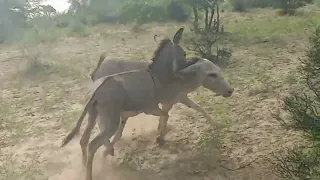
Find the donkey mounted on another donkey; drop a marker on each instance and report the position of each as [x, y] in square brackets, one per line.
[137, 91]
[206, 74]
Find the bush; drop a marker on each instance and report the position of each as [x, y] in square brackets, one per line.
[141, 11]
[304, 106]
[77, 28]
[63, 20]
[244, 5]
[265, 3]
[129, 11]
[239, 5]
[101, 11]
[289, 7]
[204, 35]
[12, 22]
[299, 163]
[177, 12]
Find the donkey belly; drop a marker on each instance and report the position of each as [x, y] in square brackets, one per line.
[140, 90]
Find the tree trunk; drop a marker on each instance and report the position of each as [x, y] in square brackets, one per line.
[211, 16]
[206, 18]
[196, 18]
[218, 18]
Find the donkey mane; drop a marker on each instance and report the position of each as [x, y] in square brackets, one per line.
[156, 53]
[191, 61]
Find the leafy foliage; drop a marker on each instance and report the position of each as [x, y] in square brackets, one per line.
[244, 5]
[299, 163]
[142, 12]
[289, 6]
[304, 106]
[128, 11]
[13, 17]
[303, 109]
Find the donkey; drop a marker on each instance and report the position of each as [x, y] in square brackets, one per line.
[112, 66]
[202, 72]
[135, 91]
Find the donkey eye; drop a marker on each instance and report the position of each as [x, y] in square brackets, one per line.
[214, 75]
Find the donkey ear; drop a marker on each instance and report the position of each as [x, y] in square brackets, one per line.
[177, 37]
[190, 70]
[155, 37]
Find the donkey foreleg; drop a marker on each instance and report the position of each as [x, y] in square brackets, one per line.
[191, 104]
[164, 116]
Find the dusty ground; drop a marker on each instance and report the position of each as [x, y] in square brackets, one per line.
[41, 102]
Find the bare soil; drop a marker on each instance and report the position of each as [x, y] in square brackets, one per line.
[40, 103]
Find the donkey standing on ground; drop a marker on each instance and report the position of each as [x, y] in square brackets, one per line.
[136, 91]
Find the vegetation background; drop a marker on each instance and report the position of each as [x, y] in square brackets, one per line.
[269, 51]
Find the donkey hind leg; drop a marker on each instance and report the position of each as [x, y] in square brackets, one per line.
[110, 147]
[124, 117]
[107, 143]
[87, 132]
[110, 122]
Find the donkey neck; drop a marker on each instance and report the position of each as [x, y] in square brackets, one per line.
[176, 87]
[162, 67]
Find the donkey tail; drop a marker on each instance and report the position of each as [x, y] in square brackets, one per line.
[75, 130]
[102, 57]
[91, 102]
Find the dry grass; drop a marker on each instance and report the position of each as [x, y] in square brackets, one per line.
[43, 92]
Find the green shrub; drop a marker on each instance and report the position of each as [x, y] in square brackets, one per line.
[265, 3]
[177, 12]
[289, 7]
[102, 11]
[239, 5]
[141, 11]
[299, 163]
[244, 5]
[304, 106]
[12, 22]
[78, 28]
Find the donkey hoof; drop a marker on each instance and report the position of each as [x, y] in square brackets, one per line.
[84, 161]
[160, 140]
[108, 151]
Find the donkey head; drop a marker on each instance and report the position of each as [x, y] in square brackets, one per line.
[209, 76]
[168, 58]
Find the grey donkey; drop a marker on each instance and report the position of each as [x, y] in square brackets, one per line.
[135, 91]
[201, 72]
[203, 76]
